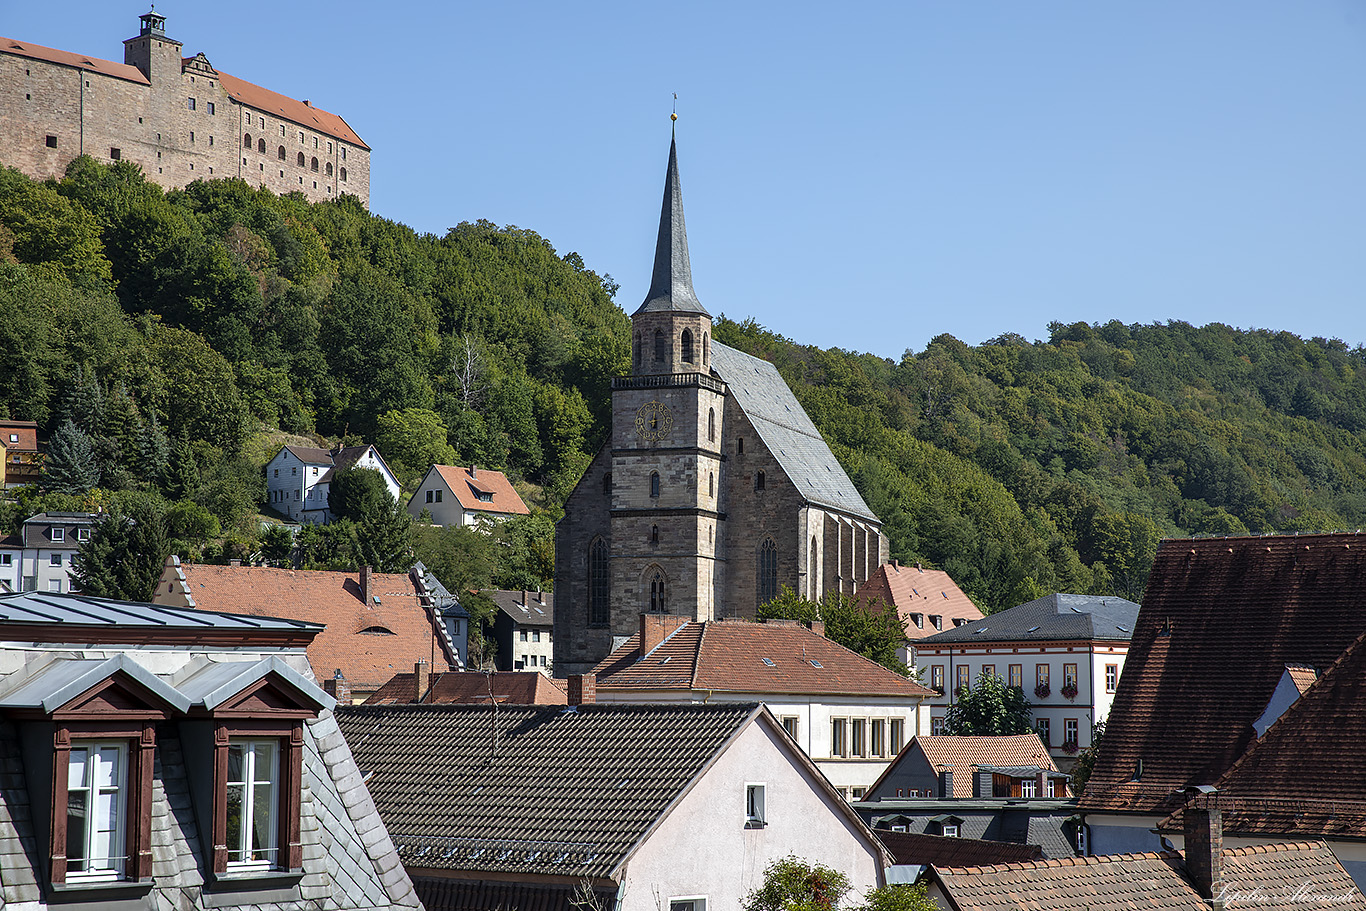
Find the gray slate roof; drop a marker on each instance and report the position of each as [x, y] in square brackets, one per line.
[671, 281]
[533, 613]
[82, 610]
[1050, 618]
[787, 431]
[547, 790]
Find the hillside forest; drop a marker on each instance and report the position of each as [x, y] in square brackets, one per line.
[169, 342]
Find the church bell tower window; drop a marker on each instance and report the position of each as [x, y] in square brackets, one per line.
[598, 583]
[768, 571]
[659, 344]
[687, 346]
[657, 593]
[654, 484]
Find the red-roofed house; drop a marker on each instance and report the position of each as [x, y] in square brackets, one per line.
[470, 688]
[176, 117]
[23, 464]
[298, 478]
[455, 495]
[378, 624]
[928, 600]
[848, 713]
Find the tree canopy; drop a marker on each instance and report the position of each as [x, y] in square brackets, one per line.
[988, 708]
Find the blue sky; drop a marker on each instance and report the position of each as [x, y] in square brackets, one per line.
[863, 176]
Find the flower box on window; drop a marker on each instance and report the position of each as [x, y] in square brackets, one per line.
[1070, 747]
[1069, 690]
[1042, 691]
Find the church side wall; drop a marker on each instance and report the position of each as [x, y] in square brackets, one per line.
[587, 515]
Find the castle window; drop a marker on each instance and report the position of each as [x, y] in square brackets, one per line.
[759, 481]
[343, 153]
[313, 165]
[280, 154]
[301, 137]
[246, 141]
[191, 135]
[659, 344]
[654, 534]
[654, 483]
[282, 126]
[657, 599]
[210, 143]
[52, 142]
[768, 571]
[329, 169]
[300, 162]
[315, 142]
[711, 424]
[343, 174]
[261, 146]
[706, 348]
[212, 111]
[740, 446]
[329, 148]
[687, 346]
[598, 583]
[192, 104]
[116, 154]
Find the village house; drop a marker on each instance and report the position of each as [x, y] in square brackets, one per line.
[849, 714]
[23, 462]
[523, 629]
[928, 601]
[377, 624]
[470, 497]
[1065, 651]
[299, 478]
[634, 807]
[1227, 625]
[42, 556]
[161, 757]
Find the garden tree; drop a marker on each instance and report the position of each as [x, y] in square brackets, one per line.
[793, 884]
[70, 465]
[871, 628]
[413, 439]
[384, 539]
[1086, 759]
[330, 546]
[187, 522]
[525, 549]
[358, 494]
[988, 708]
[276, 545]
[125, 554]
[899, 897]
[482, 647]
[462, 558]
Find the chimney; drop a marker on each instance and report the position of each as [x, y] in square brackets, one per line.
[235, 561]
[583, 689]
[526, 597]
[422, 676]
[1205, 847]
[945, 783]
[365, 584]
[654, 628]
[337, 687]
[983, 782]
[818, 627]
[1041, 783]
[895, 565]
[473, 472]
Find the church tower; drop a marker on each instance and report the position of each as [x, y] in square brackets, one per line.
[666, 458]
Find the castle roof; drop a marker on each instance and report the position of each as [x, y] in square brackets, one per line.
[78, 61]
[787, 431]
[671, 282]
[300, 112]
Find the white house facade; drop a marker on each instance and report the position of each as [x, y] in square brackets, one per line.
[298, 478]
[41, 557]
[455, 495]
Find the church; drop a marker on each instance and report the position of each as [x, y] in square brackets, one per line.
[714, 489]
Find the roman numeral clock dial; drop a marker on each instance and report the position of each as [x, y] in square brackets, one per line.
[654, 420]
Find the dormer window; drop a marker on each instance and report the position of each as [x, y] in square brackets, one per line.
[58, 535]
[253, 805]
[918, 620]
[936, 621]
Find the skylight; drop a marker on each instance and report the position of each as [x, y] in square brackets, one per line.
[768, 661]
[1032, 629]
[815, 663]
[980, 631]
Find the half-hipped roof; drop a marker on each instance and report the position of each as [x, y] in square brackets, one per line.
[914, 590]
[481, 489]
[1221, 620]
[734, 656]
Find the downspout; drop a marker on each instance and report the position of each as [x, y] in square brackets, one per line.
[80, 74]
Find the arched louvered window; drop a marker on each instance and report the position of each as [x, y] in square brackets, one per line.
[687, 346]
[329, 169]
[768, 571]
[343, 175]
[657, 592]
[261, 146]
[280, 153]
[654, 483]
[659, 345]
[313, 165]
[598, 583]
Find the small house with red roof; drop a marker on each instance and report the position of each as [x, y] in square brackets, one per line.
[23, 463]
[470, 688]
[377, 624]
[299, 478]
[851, 715]
[455, 495]
[927, 600]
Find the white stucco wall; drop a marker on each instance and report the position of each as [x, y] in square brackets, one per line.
[702, 848]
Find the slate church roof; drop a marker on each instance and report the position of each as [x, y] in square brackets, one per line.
[787, 431]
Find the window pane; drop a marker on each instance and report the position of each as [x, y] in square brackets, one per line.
[76, 818]
[263, 819]
[235, 821]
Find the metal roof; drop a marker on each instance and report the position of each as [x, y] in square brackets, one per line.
[215, 683]
[671, 281]
[66, 678]
[41, 608]
[787, 431]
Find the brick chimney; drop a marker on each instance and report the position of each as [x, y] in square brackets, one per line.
[583, 689]
[422, 677]
[654, 628]
[1205, 847]
[365, 585]
[1041, 783]
[337, 687]
[818, 627]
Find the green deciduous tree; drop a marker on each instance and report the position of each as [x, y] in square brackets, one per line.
[358, 494]
[871, 628]
[793, 884]
[413, 439]
[988, 708]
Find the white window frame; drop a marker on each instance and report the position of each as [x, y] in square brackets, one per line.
[949, 830]
[791, 724]
[877, 737]
[896, 735]
[115, 866]
[58, 534]
[82, 534]
[248, 786]
[756, 805]
[1111, 677]
[688, 903]
[839, 738]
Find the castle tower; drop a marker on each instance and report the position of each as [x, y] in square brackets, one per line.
[666, 451]
[151, 51]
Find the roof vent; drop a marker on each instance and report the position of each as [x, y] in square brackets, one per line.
[1032, 629]
[1122, 629]
[768, 661]
[1077, 610]
[945, 594]
[815, 663]
[980, 631]
[666, 659]
[376, 599]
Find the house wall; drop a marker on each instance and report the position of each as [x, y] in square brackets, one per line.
[11, 562]
[446, 512]
[289, 481]
[724, 866]
[523, 647]
[46, 564]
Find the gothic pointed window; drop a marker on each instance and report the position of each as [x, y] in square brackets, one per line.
[811, 566]
[657, 599]
[659, 345]
[687, 346]
[711, 424]
[607, 482]
[768, 571]
[598, 583]
[654, 483]
[706, 348]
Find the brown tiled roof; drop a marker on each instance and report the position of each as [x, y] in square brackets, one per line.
[367, 659]
[473, 688]
[949, 851]
[66, 58]
[961, 753]
[1302, 677]
[531, 789]
[311, 455]
[467, 483]
[442, 893]
[1221, 620]
[733, 656]
[300, 112]
[913, 590]
[1282, 875]
[27, 431]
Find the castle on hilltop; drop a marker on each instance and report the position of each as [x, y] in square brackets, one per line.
[177, 117]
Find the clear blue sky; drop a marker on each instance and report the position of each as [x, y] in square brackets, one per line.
[862, 176]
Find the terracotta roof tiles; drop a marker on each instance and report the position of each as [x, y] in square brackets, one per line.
[473, 688]
[482, 489]
[961, 753]
[66, 58]
[300, 112]
[923, 592]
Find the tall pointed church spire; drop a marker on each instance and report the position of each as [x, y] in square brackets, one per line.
[671, 283]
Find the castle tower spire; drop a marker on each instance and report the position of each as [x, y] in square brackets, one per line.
[671, 283]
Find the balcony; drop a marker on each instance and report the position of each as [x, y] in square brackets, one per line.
[656, 381]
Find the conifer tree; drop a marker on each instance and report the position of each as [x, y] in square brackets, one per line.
[85, 401]
[125, 554]
[153, 450]
[182, 474]
[71, 466]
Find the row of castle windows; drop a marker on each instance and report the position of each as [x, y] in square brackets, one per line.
[261, 122]
[209, 105]
[685, 343]
[311, 164]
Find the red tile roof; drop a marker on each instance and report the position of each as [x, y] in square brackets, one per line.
[27, 431]
[960, 754]
[469, 483]
[300, 112]
[913, 590]
[950, 851]
[66, 58]
[1221, 620]
[369, 642]
[733, 656]
[474, 687]
[1282, 875]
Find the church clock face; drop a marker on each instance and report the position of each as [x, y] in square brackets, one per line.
[654, 420]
